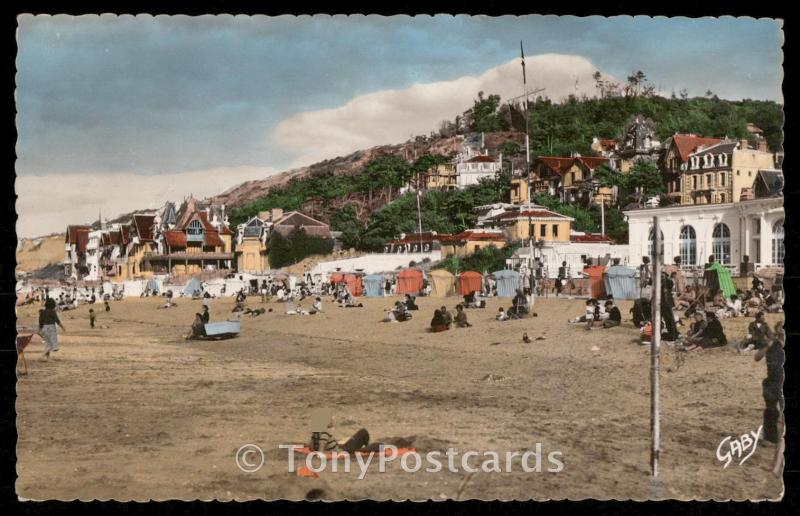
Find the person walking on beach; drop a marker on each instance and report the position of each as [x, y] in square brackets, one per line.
[48, 320]
[92, 317]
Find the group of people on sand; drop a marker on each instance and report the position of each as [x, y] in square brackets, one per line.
[700, 308]
[600, 314]
[401, 311]
[520, 308]
[443, 320]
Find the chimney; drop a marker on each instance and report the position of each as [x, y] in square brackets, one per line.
[276, 213]
[744, 144]
[762, 145]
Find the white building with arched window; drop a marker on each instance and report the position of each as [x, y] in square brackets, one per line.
[727, 231]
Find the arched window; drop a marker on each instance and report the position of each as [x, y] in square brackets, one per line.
[688, 246]
[650, 243]
[778, 251]
[721, 244]
[195, 228]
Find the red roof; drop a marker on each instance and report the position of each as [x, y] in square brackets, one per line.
[559, 165]
[225, 230]
[125, 234]
[212, 238]
[82, 239]
[688, 143]
[72, 234]
[106, 238]
[175, 238]
[591, 238]
[144, 226]
[481, 159]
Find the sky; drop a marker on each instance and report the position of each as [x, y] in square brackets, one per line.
[200, 104]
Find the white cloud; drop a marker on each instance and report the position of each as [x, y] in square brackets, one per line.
[391, 116]
[46, 204]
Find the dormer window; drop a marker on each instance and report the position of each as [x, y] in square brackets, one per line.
[723, 160]
[708, 160]
[195, 228]
[695, 162]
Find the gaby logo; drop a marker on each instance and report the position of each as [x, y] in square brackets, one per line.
[732, 448]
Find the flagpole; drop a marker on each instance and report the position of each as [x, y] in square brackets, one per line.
[527, 124]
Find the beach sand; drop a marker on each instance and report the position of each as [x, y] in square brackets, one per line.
[132, 411]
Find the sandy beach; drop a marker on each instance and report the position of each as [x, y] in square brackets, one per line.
[132, 411]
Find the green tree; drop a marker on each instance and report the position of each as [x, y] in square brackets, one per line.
[644, 176]
[486, 116]
[289, 250]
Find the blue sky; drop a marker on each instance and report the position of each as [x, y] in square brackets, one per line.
[165, 95]
[174, 93]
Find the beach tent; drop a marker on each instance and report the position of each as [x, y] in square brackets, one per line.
[192, 286]
[442, 283]
[620, 282]
[507, 283]
[336, 278]
[409, 281]
[354, 285]
[153, 285]
[719, 278]
[373, 285]
[469, 282]
[595, 273]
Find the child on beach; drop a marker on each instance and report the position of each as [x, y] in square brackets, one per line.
[92, 317]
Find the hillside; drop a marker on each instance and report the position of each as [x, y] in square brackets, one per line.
[353, 163]
[33, 254]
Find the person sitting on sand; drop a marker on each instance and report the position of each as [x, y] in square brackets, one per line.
[588, 315]
[348, 302]
[501, 314]
[461, 317]
[388, 316]
[696, 330]
[198, 328]
[773, 303]
[439, 321]
[448, 317]
[411, 302]
[759, 334]
[519, 305]
[614, 316]
[706, 332]
[733, 307]
[317, 306]
[401, 312]
[474, 300]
